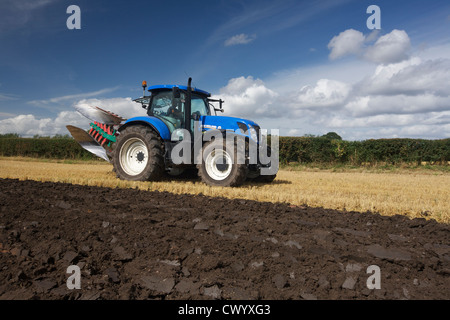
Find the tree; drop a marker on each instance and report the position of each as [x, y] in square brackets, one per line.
[332, 136]
[10, 135]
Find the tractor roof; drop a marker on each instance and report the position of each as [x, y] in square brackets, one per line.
[170, 86]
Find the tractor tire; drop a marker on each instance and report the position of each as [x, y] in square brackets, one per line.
[254, 175]
[214, 173]
[138, 154]
[265, 178]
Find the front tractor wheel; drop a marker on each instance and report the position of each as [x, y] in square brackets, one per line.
[219, 166]
[138, 154]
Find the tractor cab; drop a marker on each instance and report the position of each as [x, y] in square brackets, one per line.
[170, 104]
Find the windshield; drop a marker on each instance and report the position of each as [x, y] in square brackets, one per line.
[171, 110]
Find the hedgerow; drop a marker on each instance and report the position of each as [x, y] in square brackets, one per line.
[291, 149]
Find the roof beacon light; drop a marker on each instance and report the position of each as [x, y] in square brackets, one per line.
[144, 85]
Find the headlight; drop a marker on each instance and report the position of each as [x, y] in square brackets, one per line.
[253, 133]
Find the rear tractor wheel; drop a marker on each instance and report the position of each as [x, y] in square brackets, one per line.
[138, 154]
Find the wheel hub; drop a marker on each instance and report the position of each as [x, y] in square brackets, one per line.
[222, 166]
[133, 156]
[218, 164]
[140, 156]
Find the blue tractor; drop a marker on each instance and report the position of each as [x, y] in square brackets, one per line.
[170, 139]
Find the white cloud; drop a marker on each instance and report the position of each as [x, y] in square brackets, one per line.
[347, 42]
[413, 131]
[406, 98]
[397, 104]
[290, 80]
[325, 93]
[294, 132]
[28, 125]
[390, 48]
[239, 39]
[390, 120]
[372, 36]
[247, 97]
[409, 77]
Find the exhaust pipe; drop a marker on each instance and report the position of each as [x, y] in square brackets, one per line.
[187, 107]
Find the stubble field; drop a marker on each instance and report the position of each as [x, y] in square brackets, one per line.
[414, 193]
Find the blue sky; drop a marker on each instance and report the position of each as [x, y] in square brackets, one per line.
[303, 67]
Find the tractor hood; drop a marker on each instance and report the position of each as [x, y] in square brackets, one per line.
[238, 125]
[227, 123]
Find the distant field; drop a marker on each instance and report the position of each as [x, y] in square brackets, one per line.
[415, 193]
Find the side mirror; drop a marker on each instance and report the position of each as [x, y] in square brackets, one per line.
[176, 92]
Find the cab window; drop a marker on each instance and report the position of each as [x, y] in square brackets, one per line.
[198, 104]
[161, 103]
[169, 110]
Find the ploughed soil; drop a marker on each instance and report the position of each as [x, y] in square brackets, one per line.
[131, 244]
